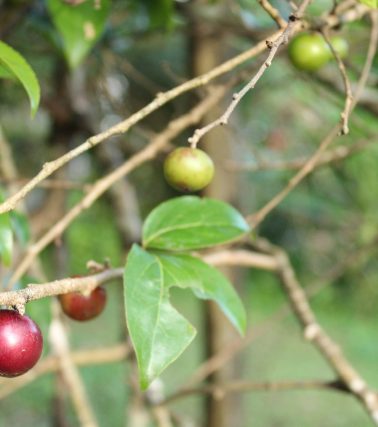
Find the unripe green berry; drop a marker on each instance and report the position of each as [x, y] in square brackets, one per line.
[188, 169]
[309, 51]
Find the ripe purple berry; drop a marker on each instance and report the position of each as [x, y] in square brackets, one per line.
[82, 307]
[21, 343]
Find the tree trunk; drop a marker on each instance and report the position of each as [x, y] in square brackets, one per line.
[206, 52]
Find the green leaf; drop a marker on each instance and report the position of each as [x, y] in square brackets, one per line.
[79, 25]
[6, 239]
[6, 74]
[158, 332]
[206, 282]
[161, 12]
[370, 3]
[20, 226]
[189, 222]
[11, 62]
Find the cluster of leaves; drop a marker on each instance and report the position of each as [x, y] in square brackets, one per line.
[158, 332]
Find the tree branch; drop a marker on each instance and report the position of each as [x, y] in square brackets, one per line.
[219, 391]
[347, 86]
[315, 334]
[161, 99]
[273, 46]
[309, 166]
[122, 127]
[331, 156]
[157, 144]
[70, 373]
[51, 363]
[57, 287]
[273, 13]
[87, 283]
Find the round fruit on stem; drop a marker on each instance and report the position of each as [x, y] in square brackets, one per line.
[309, 51]
[21, 343]
[188, 169]
[81, 307]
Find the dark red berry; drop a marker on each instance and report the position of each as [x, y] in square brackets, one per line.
[21, 343]
[81, 307]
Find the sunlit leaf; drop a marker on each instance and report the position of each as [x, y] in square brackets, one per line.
[80, 26]
[370, 3]
[158, 332]
[6, 74]
[189, 222]
[185, 271]
[12, 64]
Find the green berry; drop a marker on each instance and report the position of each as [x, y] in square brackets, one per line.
[188, 169]
[309, 51]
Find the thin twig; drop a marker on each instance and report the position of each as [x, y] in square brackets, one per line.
[154, 397]
[309, 166]
[218, 258]
[160, 100]
[315, 334]
[219, 391]
[241, 257]
[335, 155]
[87, 283]
[122, 127]
[71, 376]
[227, 353]
[260, 215]
[10, 174]
[273, 12]
[102, 185]
[347, 85]
[139, 77]
[372, 50]
[50, 183]
[273, 46]
[57, 287]
[51, 364]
